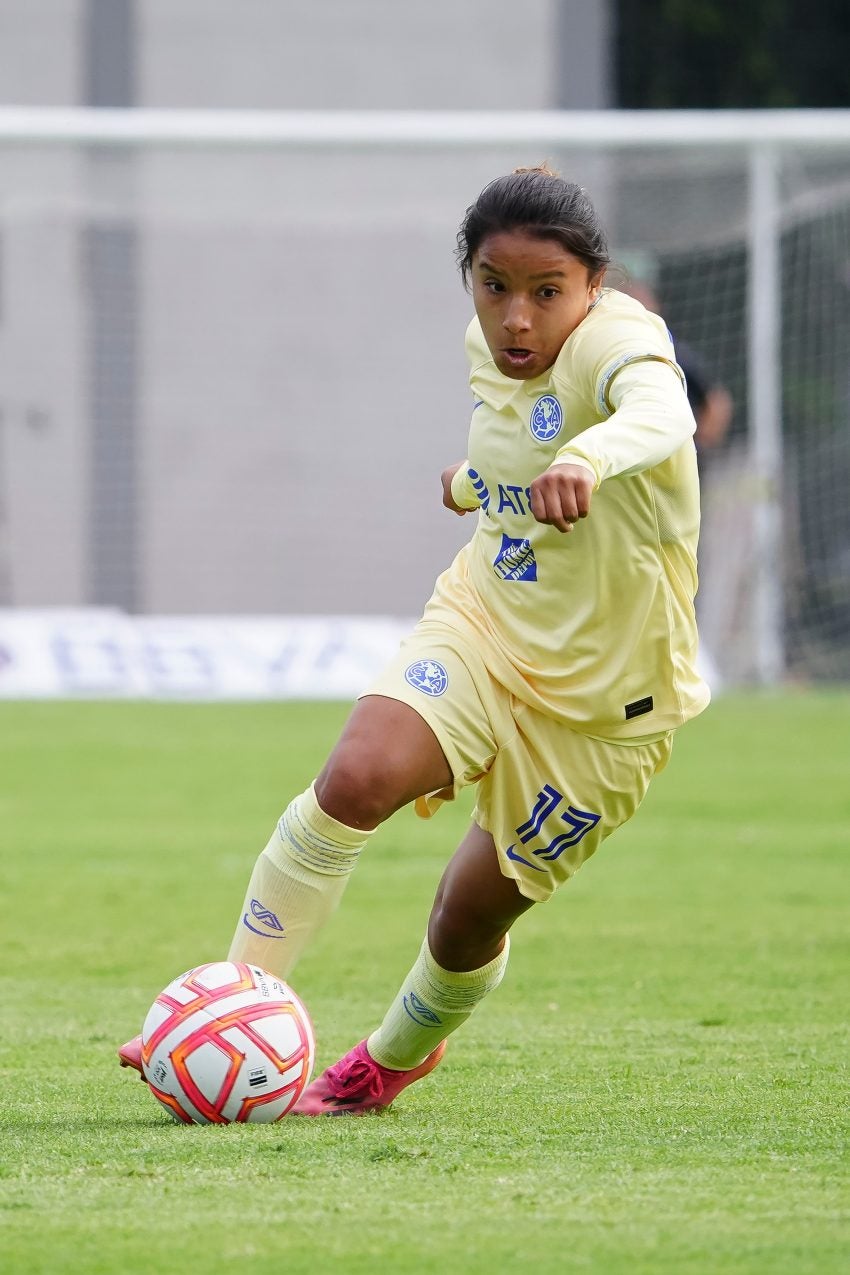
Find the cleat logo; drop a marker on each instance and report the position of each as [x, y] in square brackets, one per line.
[427, 676]
[420, 1012]
[266, 918]
[546, 418]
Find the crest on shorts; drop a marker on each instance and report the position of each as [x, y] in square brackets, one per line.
[547, 417]
[427, 676]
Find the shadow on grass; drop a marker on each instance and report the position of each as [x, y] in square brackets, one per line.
[73, 1123]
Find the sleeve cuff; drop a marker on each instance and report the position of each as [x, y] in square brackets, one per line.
[566, 457]
[463, 492]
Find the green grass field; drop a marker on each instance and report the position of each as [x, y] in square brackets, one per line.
[659, 1086]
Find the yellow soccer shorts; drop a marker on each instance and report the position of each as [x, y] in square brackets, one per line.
[548, 795]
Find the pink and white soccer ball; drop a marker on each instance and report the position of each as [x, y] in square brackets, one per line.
[226, 1043]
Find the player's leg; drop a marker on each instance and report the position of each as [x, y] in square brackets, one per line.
[463, 957]
[462, 960]
[386, 756]
[551, 797]
[421, 732]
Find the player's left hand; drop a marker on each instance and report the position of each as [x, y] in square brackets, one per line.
[561, 495]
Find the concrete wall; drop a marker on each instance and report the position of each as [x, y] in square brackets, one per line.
[249, 410]
[41, 52]
[359, 54]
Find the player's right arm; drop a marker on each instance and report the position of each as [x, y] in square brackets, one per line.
[562, 494]
[622, 360]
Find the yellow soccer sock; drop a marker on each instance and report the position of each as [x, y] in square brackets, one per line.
[296, 884]
[431, 1003]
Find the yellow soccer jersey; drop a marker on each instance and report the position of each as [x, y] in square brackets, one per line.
[595, 627]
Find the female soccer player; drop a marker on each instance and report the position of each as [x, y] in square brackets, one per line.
[556, 656]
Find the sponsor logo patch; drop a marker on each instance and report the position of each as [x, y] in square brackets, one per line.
[515, 560]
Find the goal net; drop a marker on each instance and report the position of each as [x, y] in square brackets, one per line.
[231, 356]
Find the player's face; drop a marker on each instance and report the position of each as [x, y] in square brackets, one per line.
[529, 295]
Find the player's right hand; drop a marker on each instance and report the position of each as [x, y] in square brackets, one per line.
[561, 495]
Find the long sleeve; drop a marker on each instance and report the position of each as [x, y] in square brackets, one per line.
[651, 420]
[464, 492]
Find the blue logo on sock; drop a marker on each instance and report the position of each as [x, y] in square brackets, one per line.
[419, 1011]
[266, 918]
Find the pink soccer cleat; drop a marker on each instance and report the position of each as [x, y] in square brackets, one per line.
[357, 1084]
[130, 1055]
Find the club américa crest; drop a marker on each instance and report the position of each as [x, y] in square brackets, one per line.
[427, 676]
[546, 418]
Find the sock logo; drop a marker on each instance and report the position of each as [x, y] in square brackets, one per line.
[419, 1011]
[266, 918]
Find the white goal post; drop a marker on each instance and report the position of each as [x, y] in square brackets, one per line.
[760, 149]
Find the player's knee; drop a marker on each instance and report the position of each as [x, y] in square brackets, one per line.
[357, 787]
[461, 936]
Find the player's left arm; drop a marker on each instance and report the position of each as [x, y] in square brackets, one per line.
[651, 419]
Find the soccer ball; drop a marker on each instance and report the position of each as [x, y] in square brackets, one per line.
[225, 1043]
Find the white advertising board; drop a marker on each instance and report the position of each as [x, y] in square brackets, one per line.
[105, 654]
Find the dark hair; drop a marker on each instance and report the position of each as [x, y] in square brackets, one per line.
[541, 203]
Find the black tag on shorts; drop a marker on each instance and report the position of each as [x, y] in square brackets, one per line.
[639, 707]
